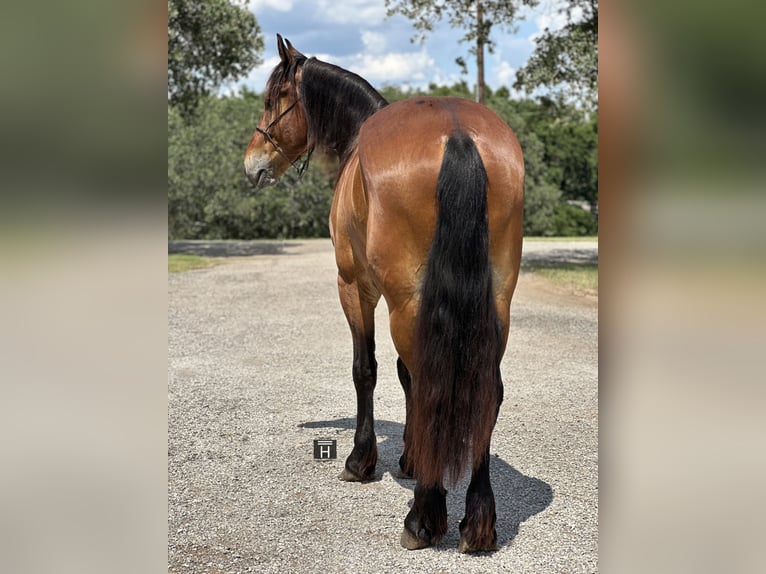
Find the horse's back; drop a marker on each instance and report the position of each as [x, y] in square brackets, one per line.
[401, 148]
[417, 128]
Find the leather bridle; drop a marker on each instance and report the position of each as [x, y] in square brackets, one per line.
[267, 136]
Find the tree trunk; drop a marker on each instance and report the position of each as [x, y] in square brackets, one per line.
[480, 52]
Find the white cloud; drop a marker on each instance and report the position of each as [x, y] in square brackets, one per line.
[279, 5]
[374, 42]
[394, 67]
[552, 15]
[551, 21]
[351, 11]
[504, 75]
[255, 80]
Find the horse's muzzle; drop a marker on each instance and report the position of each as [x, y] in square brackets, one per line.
[259, 172]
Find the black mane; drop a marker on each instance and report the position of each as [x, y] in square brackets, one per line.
[336, 103]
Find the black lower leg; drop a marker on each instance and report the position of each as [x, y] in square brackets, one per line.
[426, 522]
[477, 529]
[360, 464]
[405, 469]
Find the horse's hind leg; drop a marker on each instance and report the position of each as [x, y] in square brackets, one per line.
[405, 470]
[426, 522]
[477, 529]
[358, 299]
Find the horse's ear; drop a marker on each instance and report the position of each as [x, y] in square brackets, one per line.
[293, 52]
[283, 53]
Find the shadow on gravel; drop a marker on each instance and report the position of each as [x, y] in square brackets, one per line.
[228, 248]
[560, 256]
[517, 497]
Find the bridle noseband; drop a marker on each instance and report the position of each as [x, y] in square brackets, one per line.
[267, 136]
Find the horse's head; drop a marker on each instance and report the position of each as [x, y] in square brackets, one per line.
[282, 134]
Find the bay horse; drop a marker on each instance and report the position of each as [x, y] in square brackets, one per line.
[427, 212]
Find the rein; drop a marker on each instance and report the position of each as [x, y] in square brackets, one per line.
[267, 136]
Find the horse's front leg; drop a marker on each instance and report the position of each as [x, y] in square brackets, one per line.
[358, 299]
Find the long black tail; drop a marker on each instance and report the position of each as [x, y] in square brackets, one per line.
[456, 386]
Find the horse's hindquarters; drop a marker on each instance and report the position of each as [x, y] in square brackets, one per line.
[401, 149]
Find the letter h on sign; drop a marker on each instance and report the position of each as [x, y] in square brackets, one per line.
[325, 449]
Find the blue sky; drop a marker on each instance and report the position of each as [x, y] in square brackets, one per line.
[356, 35]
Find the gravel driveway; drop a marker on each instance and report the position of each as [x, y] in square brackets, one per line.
[260, 366]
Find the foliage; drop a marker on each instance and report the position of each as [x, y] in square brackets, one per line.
[208, 195]
[540, 202]
[549, 160]
[477, 17]
[459, 14]
[560, 146]
[570, 220]
[570, 141]
[209, 42]
[290, 209]
[566, 61]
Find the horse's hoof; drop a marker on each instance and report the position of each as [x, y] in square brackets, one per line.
[405, 475]
[466, 548]
[412, 542]
[349, 476]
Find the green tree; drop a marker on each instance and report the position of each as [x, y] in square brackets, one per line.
[566, 60]
[570, 221]
[209, 42]
[572, 150]
[540, 195]
[560, 159]
[208, 195]
[205, 154]
[477, 17]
